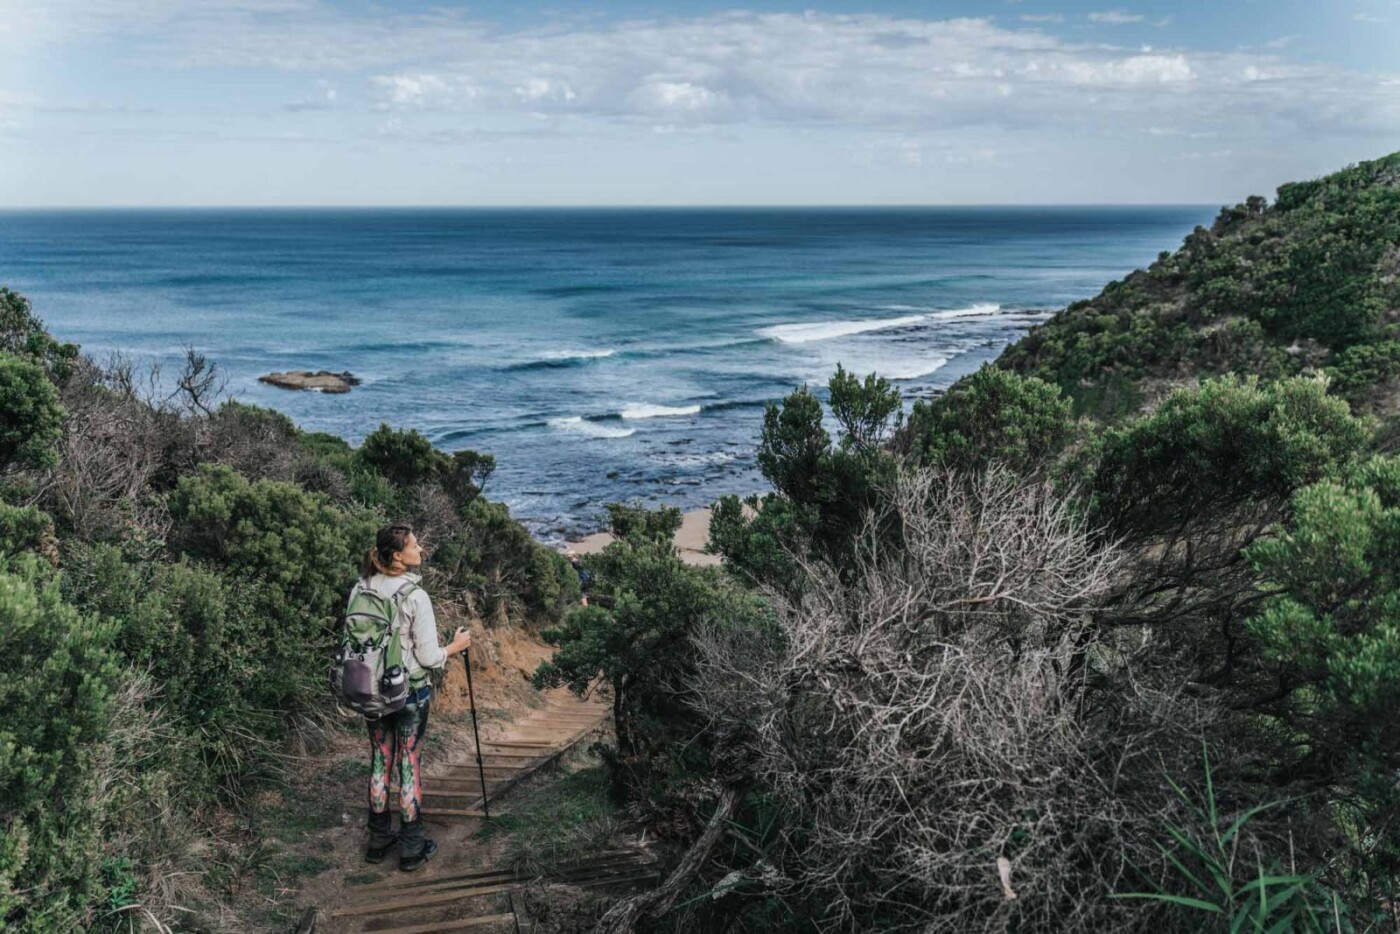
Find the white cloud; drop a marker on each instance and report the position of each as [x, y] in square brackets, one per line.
[1116, 17]
[877, 71]
[1042, 18]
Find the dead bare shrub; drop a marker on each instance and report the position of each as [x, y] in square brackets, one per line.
[923, 717]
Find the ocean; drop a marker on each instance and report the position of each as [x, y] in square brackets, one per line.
[600, 354]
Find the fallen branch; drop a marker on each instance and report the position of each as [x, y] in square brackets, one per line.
[622, 918]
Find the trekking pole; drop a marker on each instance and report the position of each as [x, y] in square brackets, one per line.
[481, 769]
[476, 734]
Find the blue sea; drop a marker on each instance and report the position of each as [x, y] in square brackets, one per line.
[599, 354]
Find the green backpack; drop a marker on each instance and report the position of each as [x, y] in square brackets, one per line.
[368, 673]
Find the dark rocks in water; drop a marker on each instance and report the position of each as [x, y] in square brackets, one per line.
[320, 381]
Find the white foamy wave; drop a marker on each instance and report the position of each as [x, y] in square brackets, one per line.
[975, 311]
[642, 410]
[911, 369]
[576, 354]
[579, 425]
[826, 330]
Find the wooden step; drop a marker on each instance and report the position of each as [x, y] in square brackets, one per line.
[459, 925]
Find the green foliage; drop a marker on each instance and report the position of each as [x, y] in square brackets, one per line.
[1218, 886]
[503, 570]
[827, 486]
[207, 642]
[994, 416]
[57, 686]
[31, 419]
[1334, 630]
[294, 540]
[26, 529]
[405, 458]
[636, 645]
[464, 476]
[23, 335]
[1227, 442]
[639, 524]
[295, 553]
[761, 538]
[1265, 290]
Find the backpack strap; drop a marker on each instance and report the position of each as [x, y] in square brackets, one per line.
[393, 640]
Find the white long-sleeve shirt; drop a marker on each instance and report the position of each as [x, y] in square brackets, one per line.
[419, 635]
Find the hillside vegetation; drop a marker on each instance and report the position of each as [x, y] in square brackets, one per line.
[172, 570]
[1107, 637]
[1308, 282]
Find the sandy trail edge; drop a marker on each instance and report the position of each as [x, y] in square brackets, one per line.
[691, 540]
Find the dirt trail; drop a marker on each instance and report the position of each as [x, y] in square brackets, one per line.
[519, 728]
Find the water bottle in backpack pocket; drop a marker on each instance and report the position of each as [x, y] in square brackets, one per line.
[368, 674]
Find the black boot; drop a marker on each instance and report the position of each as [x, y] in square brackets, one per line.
[414, 848]
[381, 837]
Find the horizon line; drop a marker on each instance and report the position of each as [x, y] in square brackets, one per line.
[10, 209]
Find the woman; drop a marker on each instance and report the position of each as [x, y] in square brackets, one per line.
[398, 738]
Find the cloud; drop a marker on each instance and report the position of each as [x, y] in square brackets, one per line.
[874, 71]
[1042, 18]
[1116, 17]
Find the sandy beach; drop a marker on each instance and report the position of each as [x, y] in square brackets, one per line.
[691, 540]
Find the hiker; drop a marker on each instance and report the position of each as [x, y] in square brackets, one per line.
[585, 577]
[396, 740]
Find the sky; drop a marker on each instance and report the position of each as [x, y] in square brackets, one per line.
[343, 102]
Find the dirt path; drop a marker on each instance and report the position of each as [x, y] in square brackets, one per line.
[316, 831]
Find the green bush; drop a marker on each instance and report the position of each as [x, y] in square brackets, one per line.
[994, 416]
[637, 645]
[23, 335]
[503, 571]
[297, 554]
[1225, 443]
[31, 419]
[405, 458]
[1334, 630]
[26, 529]
[56, 686]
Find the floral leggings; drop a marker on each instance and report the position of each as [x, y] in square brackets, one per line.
[398, 740]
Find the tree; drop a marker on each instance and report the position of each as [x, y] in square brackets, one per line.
[31, 419]
[636, 644]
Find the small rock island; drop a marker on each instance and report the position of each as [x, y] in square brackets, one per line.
[320, 381]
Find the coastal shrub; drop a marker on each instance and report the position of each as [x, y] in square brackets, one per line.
[637, 643]
[464, 476]
[404, 457]
[1226, 442]
[27, 529]
[205, 641]
[329, 465]
[57, 686]
[1332, 633]
[761, 538]
[994, 416]
[914, 692]
[23, 335]
[501, 571]
[258, 443]
[297, 550]
[31, 418]
[1270, 290]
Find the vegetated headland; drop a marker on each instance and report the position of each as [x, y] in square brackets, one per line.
[1107, 637]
